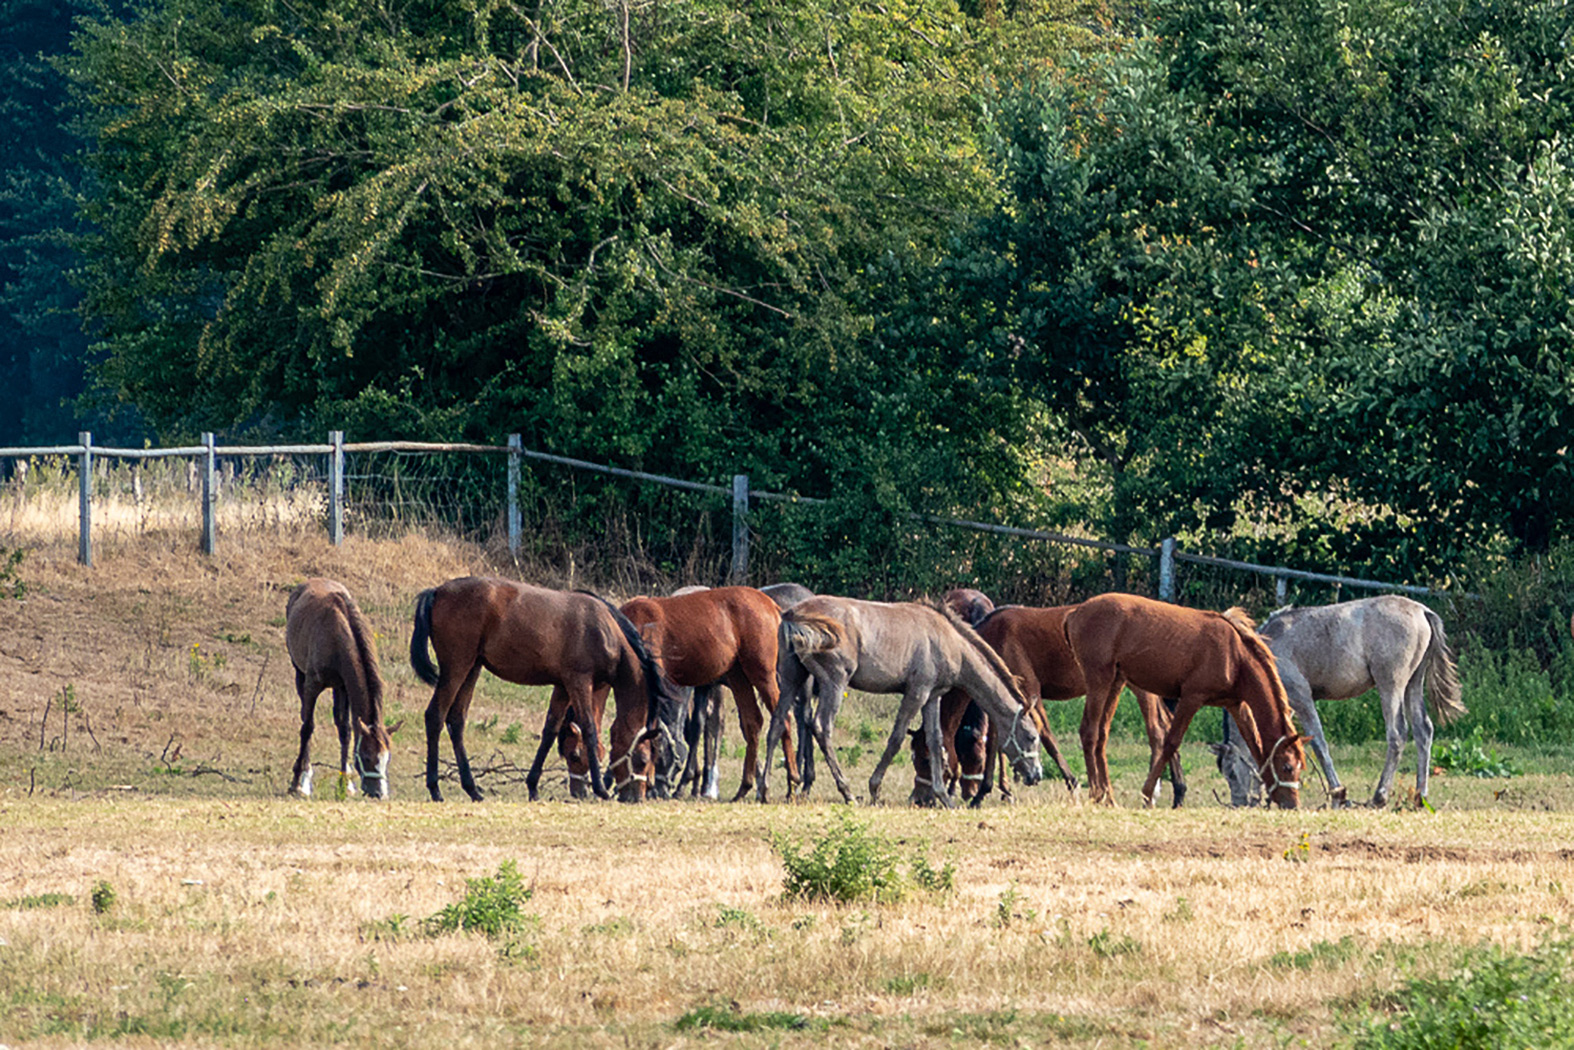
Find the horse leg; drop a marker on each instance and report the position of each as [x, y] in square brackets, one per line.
[693, 731]
[715, 722]
[301, 779]
[1156, 720]
[792, 681]
[557, 708]
[1299, 691]
[913, 699]
[453, 690]
[931, 727]
[751, 721]
[1045, 737]
[341, 724]
[589, 705]
[1184, 712]
[456, 737]
[829, 691]
[1392, 696]
[1097, 711]
[1420, 731]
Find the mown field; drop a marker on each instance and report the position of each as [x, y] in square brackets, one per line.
[157, 888]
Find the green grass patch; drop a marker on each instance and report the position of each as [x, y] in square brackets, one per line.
[41, 900]
[729, 1017]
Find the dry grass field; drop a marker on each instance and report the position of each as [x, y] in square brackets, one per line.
[147, 727]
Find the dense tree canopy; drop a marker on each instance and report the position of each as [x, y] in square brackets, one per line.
[1289, 280]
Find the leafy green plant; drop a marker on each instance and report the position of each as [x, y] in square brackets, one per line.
[103, 897]
[741, 918]
[11, 585]
[493, 906]
[908, 985]
[929, 878]
[730, 1017]
[1494, 1000]
[1300, 852]
[1322, 953]
[1471, 755]
[848, 862]
[1006, 911]
[394, 928]
[511, 735]
[1106, 945]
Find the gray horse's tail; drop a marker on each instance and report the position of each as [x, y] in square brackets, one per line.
[1442, 675]
[810, 633]
[420, 658]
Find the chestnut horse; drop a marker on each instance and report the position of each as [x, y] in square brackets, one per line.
[330, 644]
[1201, 658]
[578, 643]
[721, 635]
[917, 650]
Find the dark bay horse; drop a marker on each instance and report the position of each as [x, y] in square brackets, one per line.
[330, 644]
[1200, 658]
[1334, 652]
[721, 635]
[916, 650]
[578, 643]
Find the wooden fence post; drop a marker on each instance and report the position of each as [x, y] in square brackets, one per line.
[515, 447]
[740, 529]
[85, 499]
[1281, 589]
[209, 493]
[1167, 569]
[336, 488]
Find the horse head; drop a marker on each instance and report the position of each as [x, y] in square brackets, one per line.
[668, 743]
[372, 747]
[1020, 746]
[1281, 771]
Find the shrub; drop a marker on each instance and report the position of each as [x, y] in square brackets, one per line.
[1496, 1000]
[492, 905]
[103, 897]
[849, 862]
[1470, 755]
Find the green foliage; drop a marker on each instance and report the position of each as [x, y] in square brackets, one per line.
[1471, 755]
[730, 1017]
[41, 900]
[492, 905]
[11, 583]
[103, 897]
[1006, 910]
[1326, 954]
[849, 862]
[1495, 1000]
[1107, 945]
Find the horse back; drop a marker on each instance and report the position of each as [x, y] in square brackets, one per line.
[525, 634]
[701, 636]
[1165, 649]
[1343, 650]
[327, 637]
[1032, 641]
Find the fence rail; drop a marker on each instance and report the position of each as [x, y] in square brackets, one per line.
[1167, 554]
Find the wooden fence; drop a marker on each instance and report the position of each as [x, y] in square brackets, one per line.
[1167, 554]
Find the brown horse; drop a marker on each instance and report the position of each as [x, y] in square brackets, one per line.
[966, 742]
[723, 635]
[330, 644]
[1201, 658]
[578, 643]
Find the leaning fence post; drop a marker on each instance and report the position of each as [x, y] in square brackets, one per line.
[515, 447]
[85, 499]
[740, 528]
[209, 493]
[336, 488]
[1281, 589]
[1167, 569]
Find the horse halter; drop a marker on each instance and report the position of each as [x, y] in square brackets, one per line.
[1020, 752]
[1267, 764]
[628, 760]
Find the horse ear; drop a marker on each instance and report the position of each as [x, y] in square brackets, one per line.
[391, 730]
[1218, 749]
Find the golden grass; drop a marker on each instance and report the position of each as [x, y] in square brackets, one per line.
[243, 917]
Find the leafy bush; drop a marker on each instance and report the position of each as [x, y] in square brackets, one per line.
[1471, 755]
[848, 862]
[103, 897]
[493, 906]
[1496, 1000]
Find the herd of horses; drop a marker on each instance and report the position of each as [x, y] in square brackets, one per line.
[975, 676]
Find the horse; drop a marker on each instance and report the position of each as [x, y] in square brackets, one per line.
[1334, 652]
[969, 604]
[706, 716]
[967, 753]
[1201, 658]
[917, 650]
[576, 642]
[718, 635]
[330, 644]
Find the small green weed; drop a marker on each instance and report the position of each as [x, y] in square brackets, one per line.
[613, 927]
[848, 862]
[1181, 912]
[1471, 756]
[103, 897]
[1106, 945]
[394, 928]
[1006, 911]
[494, 906]
[1323, 953]
[511, 735]
[11, 585]
[730, 1017]
[741, 918]
[908, 985]
[851, 754]
[42, 900]
[1301, 852]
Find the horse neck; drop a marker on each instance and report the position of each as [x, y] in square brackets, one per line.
[1269, 715]
[981, 681]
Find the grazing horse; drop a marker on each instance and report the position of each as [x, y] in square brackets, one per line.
[718, 635]
[969, 604]
[1334, 652]
[967, 753]
[917, 650]
[1201, 658]
[577, 643]
[330, 644]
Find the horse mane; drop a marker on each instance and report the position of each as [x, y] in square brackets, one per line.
[987, 651]
[664, 705]
[361, 631]
[1241, 620]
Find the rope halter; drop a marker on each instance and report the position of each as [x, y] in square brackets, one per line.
[1267, 767]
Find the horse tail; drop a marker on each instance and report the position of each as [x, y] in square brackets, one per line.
[811, 633]
[663, 706]
[1442, 674]
[420, 658]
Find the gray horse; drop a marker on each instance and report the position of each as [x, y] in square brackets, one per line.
[1334, 652]
[916, 650]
